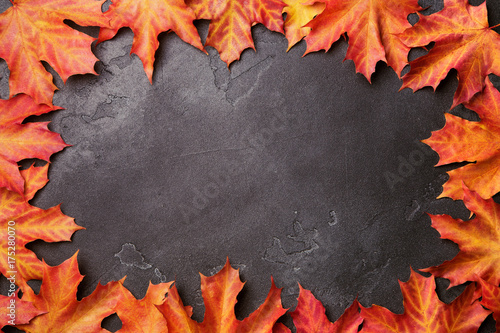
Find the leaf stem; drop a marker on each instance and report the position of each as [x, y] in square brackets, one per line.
[498, 25]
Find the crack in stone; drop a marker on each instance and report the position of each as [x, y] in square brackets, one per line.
[104, 109]
[413, 211]
[224, 79]
[129, 256]
[334, 220]
[306, 237]
[160, 276]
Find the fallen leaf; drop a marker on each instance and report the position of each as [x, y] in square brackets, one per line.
[219, 295]
[26, 223]
[461, 140]
[147, 19]
[298, 14]
[309, 316]
[491, 300]
[478, 240]
[16, 311]
[281, 328]
[464, 41]
[32, 31]
[371, 25]
[65, 313]
[177, 315]
[231, 22]
[425, 313]
[143, 315]
[20, 140]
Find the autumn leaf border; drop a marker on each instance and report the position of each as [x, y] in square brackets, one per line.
[307, 308]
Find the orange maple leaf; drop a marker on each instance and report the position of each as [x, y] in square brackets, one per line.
[16, 311]
[281, 328]
[65, 313]
[32, 31]
[309, 316]
[143, 315]
[478, 240]
[19, 141]
[25, 223]
[371, 25]
[464, 41]
[298, 14]
[231, 22]
[147, 19]
[425, 313]
[219, 295]
[491, 300]
[479, 142]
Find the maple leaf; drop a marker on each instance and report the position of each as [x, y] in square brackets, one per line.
[231, 22]
[143, 315]
[219, 294]
[65, 313]
[19, 141]
[491, 300]
[479, 142]
[298, 14]
[464, 41]
[309, 316]
[26, 223]
[32, 31]
[16, 311]
[281, 328]
[371, 25]
[478, 240]
[425, 313]
[147, 19]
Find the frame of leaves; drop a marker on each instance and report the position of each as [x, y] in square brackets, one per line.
[463, 41]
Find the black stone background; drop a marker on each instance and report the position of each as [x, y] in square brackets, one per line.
[289, 154]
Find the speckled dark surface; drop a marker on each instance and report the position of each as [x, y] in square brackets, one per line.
[279, 164]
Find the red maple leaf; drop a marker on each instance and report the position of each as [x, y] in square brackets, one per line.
[478, 240]
[425, 313]
[464, 41]
[371, 25]
[231, 22]
[32, 31]
[461, 140]
[147, 19]
[309, 316]
[24, 223]
[20, 140]
[219, 295]
[64, 313]
[16, 311]
[143, 315]
[491, 300]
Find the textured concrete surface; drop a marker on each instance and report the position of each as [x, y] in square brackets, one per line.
[280, 164]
